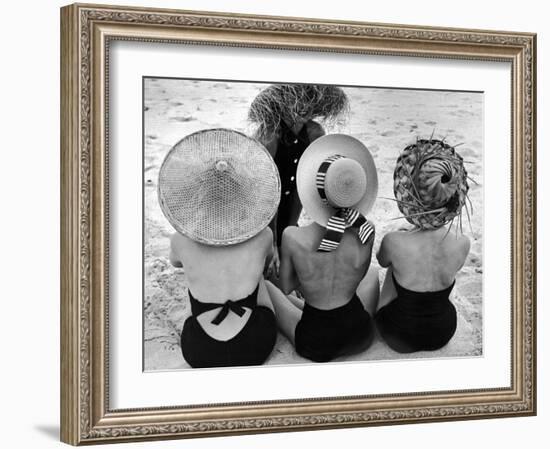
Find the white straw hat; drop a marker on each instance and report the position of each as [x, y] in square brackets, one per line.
[350, 181]
[219, 187]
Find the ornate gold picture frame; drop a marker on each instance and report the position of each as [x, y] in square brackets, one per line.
[87, 31]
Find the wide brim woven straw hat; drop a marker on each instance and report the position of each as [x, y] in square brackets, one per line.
[355, 154]
[219, 187]
[430, 184]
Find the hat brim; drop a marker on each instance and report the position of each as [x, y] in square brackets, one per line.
[209, 220]
[310, 162]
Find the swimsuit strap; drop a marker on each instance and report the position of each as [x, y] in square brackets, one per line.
[237, 306]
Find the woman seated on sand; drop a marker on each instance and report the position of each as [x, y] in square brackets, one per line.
[220, 189]
[329, 260]
[430, 186]
[283, 115]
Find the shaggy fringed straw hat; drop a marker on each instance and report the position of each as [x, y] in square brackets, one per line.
[287, 102]
[430, 184]
[219, 187]
[337, 184]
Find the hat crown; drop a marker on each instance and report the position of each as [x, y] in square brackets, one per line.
[430, 183]
[345, 183]
[436, 181]
[307, 177]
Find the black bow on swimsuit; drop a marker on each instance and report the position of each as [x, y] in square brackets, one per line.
[250, 346]
[237, 306]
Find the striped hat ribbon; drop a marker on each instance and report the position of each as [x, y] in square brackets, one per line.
[343, 218]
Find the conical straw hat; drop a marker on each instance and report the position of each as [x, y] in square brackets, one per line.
[219, 187]
[430, 183]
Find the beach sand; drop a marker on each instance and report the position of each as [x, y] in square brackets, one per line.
[385, 120]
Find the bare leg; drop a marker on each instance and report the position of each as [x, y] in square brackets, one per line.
[388, 289]
[368, 290]
[286, 313]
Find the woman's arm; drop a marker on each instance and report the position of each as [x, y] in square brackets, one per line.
[465, 250]
[287, 274]
[269, 250]
[271, 146]
[383, 254]
[173, 258]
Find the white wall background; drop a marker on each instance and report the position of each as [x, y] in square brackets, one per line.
[29, 224]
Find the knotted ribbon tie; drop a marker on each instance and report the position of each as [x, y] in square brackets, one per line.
[234, 306]
[343, 218]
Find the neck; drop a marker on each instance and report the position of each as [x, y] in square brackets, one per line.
[441, 230]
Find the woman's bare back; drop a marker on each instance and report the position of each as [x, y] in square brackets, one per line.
[216, 274]
[424, 260]
[327, 280]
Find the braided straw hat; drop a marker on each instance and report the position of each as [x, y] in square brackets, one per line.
[219, 187]
[430, 184]
[351, 180]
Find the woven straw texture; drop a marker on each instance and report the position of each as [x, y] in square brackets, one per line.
[430, 184]
[345, 183]
[219, 187]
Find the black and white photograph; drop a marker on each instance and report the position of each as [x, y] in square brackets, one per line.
[275, 224]
[305, 223]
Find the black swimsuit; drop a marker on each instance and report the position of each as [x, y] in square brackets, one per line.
[289, 151]
[322, 335]
[251, 346]
[417, 321]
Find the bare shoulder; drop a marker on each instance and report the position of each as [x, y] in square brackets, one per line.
[314, 130]
[457, 241]
[177, 240]
[262, 241]
[181, 244]
[393, 238]
[463, 242]
[295, 237]
[395, 242]
[266, 236]
[290, 236]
